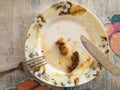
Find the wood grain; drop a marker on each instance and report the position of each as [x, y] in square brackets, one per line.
[15, 19]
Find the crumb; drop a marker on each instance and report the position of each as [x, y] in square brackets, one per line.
[69, 81]
[75, 61]
[55, 83]
[100, 65]
[76, 81]
[97, 73]
[92, 66]
[31, 55]
[52, 79]
[107, 51]
[104, 38]
[69, 75]
[62, 46]
[27, 36]
[42, 51]
[62, 84]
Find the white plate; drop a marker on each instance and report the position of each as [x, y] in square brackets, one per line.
[67, 20]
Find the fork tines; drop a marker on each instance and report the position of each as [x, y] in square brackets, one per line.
[35, 63]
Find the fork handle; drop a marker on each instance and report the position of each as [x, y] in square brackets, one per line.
[9, 68]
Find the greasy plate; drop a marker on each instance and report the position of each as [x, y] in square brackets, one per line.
[67, 20]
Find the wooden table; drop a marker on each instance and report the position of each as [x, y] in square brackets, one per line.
[15, 18]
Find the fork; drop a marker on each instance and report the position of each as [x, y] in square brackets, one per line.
[30, 64]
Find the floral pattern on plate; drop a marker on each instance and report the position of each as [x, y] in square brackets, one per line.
[63, 7]
[39, 21]
[67, 8]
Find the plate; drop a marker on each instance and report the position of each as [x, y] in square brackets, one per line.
[66, 20]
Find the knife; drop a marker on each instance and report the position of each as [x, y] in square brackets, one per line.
[100, 56]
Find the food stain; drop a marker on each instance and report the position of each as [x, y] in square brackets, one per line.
[55, 83]
[68, 58]
[104, 38]
[92, 66]
[62, 46]
[76, 81]
[77, 10]
[75, 58]
[62, 84]
[97, 73]
[43, 68]
[86, 63]
[59, 62]
[74, 46]
[38, 34]
[87, 74]
[57, 74]
[28, 35]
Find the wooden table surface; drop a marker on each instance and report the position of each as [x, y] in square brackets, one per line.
[15, 19]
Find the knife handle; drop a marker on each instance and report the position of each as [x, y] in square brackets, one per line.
[114, 69]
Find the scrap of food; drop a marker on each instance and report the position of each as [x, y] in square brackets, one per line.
[75, 61]
[62, 46]
[64, 50]
[76, 81]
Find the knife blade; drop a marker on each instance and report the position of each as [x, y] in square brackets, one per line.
[100, 56]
